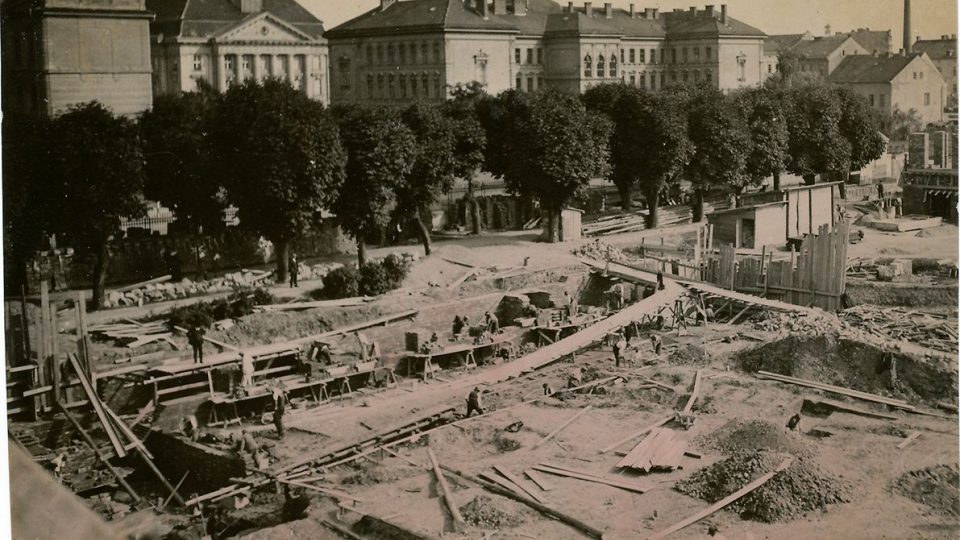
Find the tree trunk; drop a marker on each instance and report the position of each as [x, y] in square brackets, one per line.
[100, 274]
[626, 196]
[551, 228]
[653, 208]
[843, 184]
[423, 233]
[697, 205]
[361, 250]
[776, 181]
[475, 211]
[809, 179]
[283, 256]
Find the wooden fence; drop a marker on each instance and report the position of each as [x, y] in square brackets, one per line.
[815, 275]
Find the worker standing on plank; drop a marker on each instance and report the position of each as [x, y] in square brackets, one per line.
[656, 342]
[195, 338]
[246, 369]
[279, 408]
[294, 270]
[493, 324]
[618, 348]
[473, 402]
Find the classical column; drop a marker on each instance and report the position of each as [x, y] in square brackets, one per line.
[255, 67]
[221, 71]
[306, 74]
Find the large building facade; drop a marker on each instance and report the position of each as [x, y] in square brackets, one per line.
[943, 53]
[223, 42]
[60, 53]
[410, 50]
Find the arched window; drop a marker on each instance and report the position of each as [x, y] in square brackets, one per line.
[403, 86]
[413, 87]
[613, 66]
[390, 87]
[587, 66]
[424, 79]
[600, 65]
[380, 85]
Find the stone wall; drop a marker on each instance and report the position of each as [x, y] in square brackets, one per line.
[209, 468]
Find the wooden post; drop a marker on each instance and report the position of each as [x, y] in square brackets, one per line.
[96, 452]
[43, 339]
[562, 426]
[54, 362]
[458, 522]
[24, 325]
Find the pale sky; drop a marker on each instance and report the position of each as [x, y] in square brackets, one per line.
[931, 18]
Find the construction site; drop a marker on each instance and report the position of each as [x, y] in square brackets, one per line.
[639, 384]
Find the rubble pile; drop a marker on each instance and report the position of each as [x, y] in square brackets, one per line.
[793, 323]
[938, 487]
[185, 288]
[790, 494]
[484, 513]
[600, 251]
[744, 436]
[924, 329]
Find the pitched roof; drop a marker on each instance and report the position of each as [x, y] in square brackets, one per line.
[874, 41]
[776, 44]
[820, 47]
[205, 18]
[937, 49]
[870, 69]
[542, 17]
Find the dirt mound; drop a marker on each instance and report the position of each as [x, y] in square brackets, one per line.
[799, 489]
[691, 354]
[744, 436]
[937, 487]
[483, 512]
[364, 473]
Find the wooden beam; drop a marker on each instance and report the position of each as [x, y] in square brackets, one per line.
[843, 407]
[96, 451]
[696, 392]
[553, 433]
[511, 477]
[589, 530]
[97, 406]
[458, 521]
[329, 492]
[341, 530]
[738, 315]
[540, 481]
[509, 485]
[836, 390]
[913, 436]
[636, 488]
[634, 435]
[126, 430]
[742, 492]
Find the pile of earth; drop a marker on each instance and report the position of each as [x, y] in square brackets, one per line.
[484, 513]
[363, 473]
[937, 487]
[789, 494]
[745, 436]
[690, 354]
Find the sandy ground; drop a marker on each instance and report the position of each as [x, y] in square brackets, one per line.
[937, 243]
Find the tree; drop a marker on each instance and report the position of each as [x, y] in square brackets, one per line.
[815, 145]
[381, 151]
[471, 139]
[762, 110]
[555, 147]
[27, 209]
[721, 144]
[94, 165]
[433, 167]
[608, 99]
[860, 126]
[898, 125]
[177, 151]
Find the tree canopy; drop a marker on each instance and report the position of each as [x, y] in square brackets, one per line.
[279, 155]
[762, 110]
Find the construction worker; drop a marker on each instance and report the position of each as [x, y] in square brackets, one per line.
[249, 444]
[279, 408]
[246, 370]
[294, 270]
[473, 402]
[458, 325]
[618, 348]
[492, 323]
[660, 285]
[656, 342]
[794, 423]
[195, 338]
[547, 390]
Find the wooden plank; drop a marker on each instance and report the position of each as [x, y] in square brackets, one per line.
[836, 390]
[539, 480]
[912, 437]
[742, 492]
[633, 457]
[451, 503]
[359, 326]
[96, 451]
[697, 379]
[508, 485]
[326, 491]
[589, 530]
[843, 407]
[553, 433]
[460, 280]
[739, 314]
[636, 488]
[636, 434]
[126, 430]
[97, 407]
[519, 483]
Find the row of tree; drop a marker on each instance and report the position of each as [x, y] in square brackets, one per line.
[281, 158]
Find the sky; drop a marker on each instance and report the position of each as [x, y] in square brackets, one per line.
[930, 18]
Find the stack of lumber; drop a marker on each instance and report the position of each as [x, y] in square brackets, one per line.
[131, 334]
[661, 449]
[924, 329]
[297, 306]
[636, 221]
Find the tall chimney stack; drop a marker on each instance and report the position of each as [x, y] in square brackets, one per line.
[633, 11]
[588, 9]
[723, 13]
[907, 38]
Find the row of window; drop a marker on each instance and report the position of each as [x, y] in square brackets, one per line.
[404, 86]
[403, 53]
[268, 67]
[530, 78]
[517, 54]
[641, 79]
[686, 55]
[588, 66]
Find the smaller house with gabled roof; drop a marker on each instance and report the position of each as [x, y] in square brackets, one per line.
[892, 82]
[224, 42]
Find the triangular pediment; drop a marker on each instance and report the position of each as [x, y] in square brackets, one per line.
[262, 27]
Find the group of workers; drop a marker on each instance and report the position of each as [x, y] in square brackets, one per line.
[461, 325]
[621, 344]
